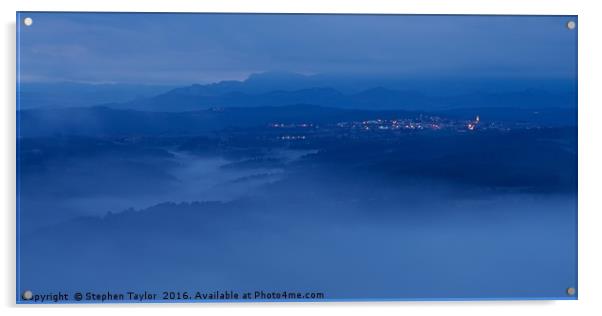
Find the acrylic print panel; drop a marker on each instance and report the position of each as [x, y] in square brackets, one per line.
[277, 157]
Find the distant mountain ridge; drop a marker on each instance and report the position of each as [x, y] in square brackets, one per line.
[278, 89]
[378, 98]
[201, 97]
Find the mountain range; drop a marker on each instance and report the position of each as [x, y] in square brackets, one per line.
[277, 89]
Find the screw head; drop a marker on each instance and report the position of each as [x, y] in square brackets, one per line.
[27, 295]
[570, 291]
[571, 25]
[27, 21]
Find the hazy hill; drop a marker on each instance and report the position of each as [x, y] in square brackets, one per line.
[71, 94]
[104, 121]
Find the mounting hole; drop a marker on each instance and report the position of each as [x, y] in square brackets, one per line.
[570, 291]
[571, 25]
[27, 295]
[27, 21]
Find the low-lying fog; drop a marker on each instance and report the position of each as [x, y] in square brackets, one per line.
[284, 224]
[75, 189]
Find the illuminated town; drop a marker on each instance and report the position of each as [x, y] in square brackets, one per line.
[391, 127]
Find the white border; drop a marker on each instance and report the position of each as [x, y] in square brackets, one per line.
[590, 158]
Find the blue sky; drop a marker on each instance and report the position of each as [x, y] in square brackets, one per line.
[201, 48]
